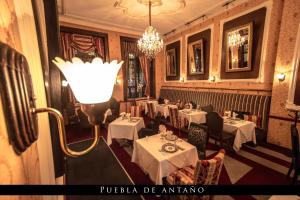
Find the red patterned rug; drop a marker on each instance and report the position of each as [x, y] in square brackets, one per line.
[261, 165]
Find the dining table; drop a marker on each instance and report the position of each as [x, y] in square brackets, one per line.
[157, 161]
[125, 128]
[243, 130]
[193, 115]
[164, 109]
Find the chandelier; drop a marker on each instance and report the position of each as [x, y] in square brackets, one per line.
[235, 39]
[150, 44]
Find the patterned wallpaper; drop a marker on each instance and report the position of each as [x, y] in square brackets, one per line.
[283, 20]
[283, 25]
[215, 24]
[14, 169]
[279, 130]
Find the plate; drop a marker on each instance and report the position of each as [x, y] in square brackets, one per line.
[170, 148]
[171, 137]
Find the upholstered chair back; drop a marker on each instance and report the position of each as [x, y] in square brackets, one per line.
[198, 137]
[135, 111]
[295, 141]
[151, 110]
[215, 125]
[207, 172]
[174, 117]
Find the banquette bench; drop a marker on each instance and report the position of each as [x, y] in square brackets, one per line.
[258, 105]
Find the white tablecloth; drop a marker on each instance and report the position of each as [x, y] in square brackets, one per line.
[164, 109]
[160, 164]
[124, 129]
[143, 104]
[198, 117]
[244, 132]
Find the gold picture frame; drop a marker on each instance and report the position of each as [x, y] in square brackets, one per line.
[171, 62]
[196, 57]
[238, 43]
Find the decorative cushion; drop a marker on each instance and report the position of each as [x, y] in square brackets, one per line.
[160, 100]
[240, 114]
[194, 105]
[208, 108]
[183, 176]
[253, 118]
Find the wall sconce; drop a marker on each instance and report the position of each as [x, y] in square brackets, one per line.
[118, 81]
[212, 78]
[280, 77]
[92, 85]
[64, 83]
[181, 79]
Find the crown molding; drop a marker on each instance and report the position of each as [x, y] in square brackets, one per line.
[68, 19]
[208, 14]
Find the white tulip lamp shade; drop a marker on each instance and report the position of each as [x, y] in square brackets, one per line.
[91, 82]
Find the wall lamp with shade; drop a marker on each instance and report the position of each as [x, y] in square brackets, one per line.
[64, 83]
[91, 82]
[212, 79]
[182, 79]
[280, 77]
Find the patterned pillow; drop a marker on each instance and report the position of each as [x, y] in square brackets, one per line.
[253, 118]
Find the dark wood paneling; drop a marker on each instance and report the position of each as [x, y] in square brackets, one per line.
[54, 80]
[205, 35]
[177, 47]
[258, 19]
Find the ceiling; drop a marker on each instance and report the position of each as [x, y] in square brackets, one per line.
[132, 15]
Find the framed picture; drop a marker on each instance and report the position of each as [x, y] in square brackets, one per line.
[238, 48]
[171, 62]
[196, 57]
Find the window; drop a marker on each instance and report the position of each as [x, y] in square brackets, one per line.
[138, 72]
[135, 79]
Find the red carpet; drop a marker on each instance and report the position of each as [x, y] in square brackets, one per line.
[257, 173]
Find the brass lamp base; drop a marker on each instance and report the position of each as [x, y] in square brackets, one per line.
[62, 132]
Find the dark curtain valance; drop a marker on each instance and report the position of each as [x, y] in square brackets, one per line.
[73, 43]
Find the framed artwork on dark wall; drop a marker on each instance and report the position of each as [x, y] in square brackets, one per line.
[239, 48]
[172, 58]
[171, 62]
[198, 55]
[196, 58]
[242, 46]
